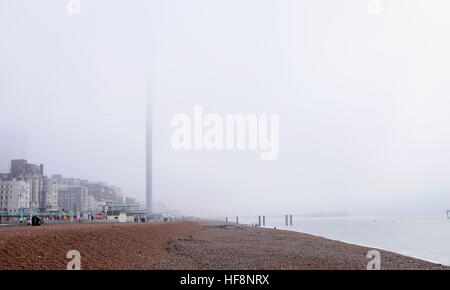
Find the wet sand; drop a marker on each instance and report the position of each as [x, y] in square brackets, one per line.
[186, 246]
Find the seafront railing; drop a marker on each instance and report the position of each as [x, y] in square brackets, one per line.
[102, 221]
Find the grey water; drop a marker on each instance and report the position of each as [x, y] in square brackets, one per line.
[422, 237]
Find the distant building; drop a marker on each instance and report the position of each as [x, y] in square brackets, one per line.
[21, 167]
[92, 205]
[105, 193]
[72, 198]
[15, 195]
[130, 200]
[50, 197]
[22, 170]
[59, 179]
[94, 197]
[34, 191]
[72, 193]
[5, 176]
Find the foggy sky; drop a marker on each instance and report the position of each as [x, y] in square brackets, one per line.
[363, 99]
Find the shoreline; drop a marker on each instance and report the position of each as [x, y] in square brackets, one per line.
[365, 246]
[199, 245]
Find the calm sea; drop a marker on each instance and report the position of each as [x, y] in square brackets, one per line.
[423, 237]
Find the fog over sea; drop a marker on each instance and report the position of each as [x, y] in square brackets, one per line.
[422, 237]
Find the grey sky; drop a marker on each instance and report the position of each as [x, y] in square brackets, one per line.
[363, 99]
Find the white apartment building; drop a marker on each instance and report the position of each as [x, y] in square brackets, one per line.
[14, 195]
[92, 204]
[50, 196]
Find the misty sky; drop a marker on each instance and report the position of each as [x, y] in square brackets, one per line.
[363, 99]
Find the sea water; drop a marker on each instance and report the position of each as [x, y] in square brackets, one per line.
[422, 237]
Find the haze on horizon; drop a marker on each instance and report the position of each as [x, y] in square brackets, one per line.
[363, 100]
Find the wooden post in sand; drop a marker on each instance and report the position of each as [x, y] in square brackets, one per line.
[286, 219]
[237, 220]
[290, 220]
[264, 220]
[259, 221]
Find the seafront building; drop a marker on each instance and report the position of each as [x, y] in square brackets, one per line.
[34, 175]
[103, 192]
[25, 190]
[72, 193]
[72, 199]
[80, 195]
[92, 204]
[15, 195]
[50, 197]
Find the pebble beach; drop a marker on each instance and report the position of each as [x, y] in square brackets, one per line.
[196, 245]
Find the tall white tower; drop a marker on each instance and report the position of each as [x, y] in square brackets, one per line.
[149, 156]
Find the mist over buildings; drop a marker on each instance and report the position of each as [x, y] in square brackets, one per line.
[362, 99]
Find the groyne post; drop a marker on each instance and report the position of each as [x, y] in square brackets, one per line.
[237, 220]
[259, 221]
[286, 219]
[264, 220]
[290, 220]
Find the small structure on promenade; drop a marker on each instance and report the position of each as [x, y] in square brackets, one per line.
[120, 216]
